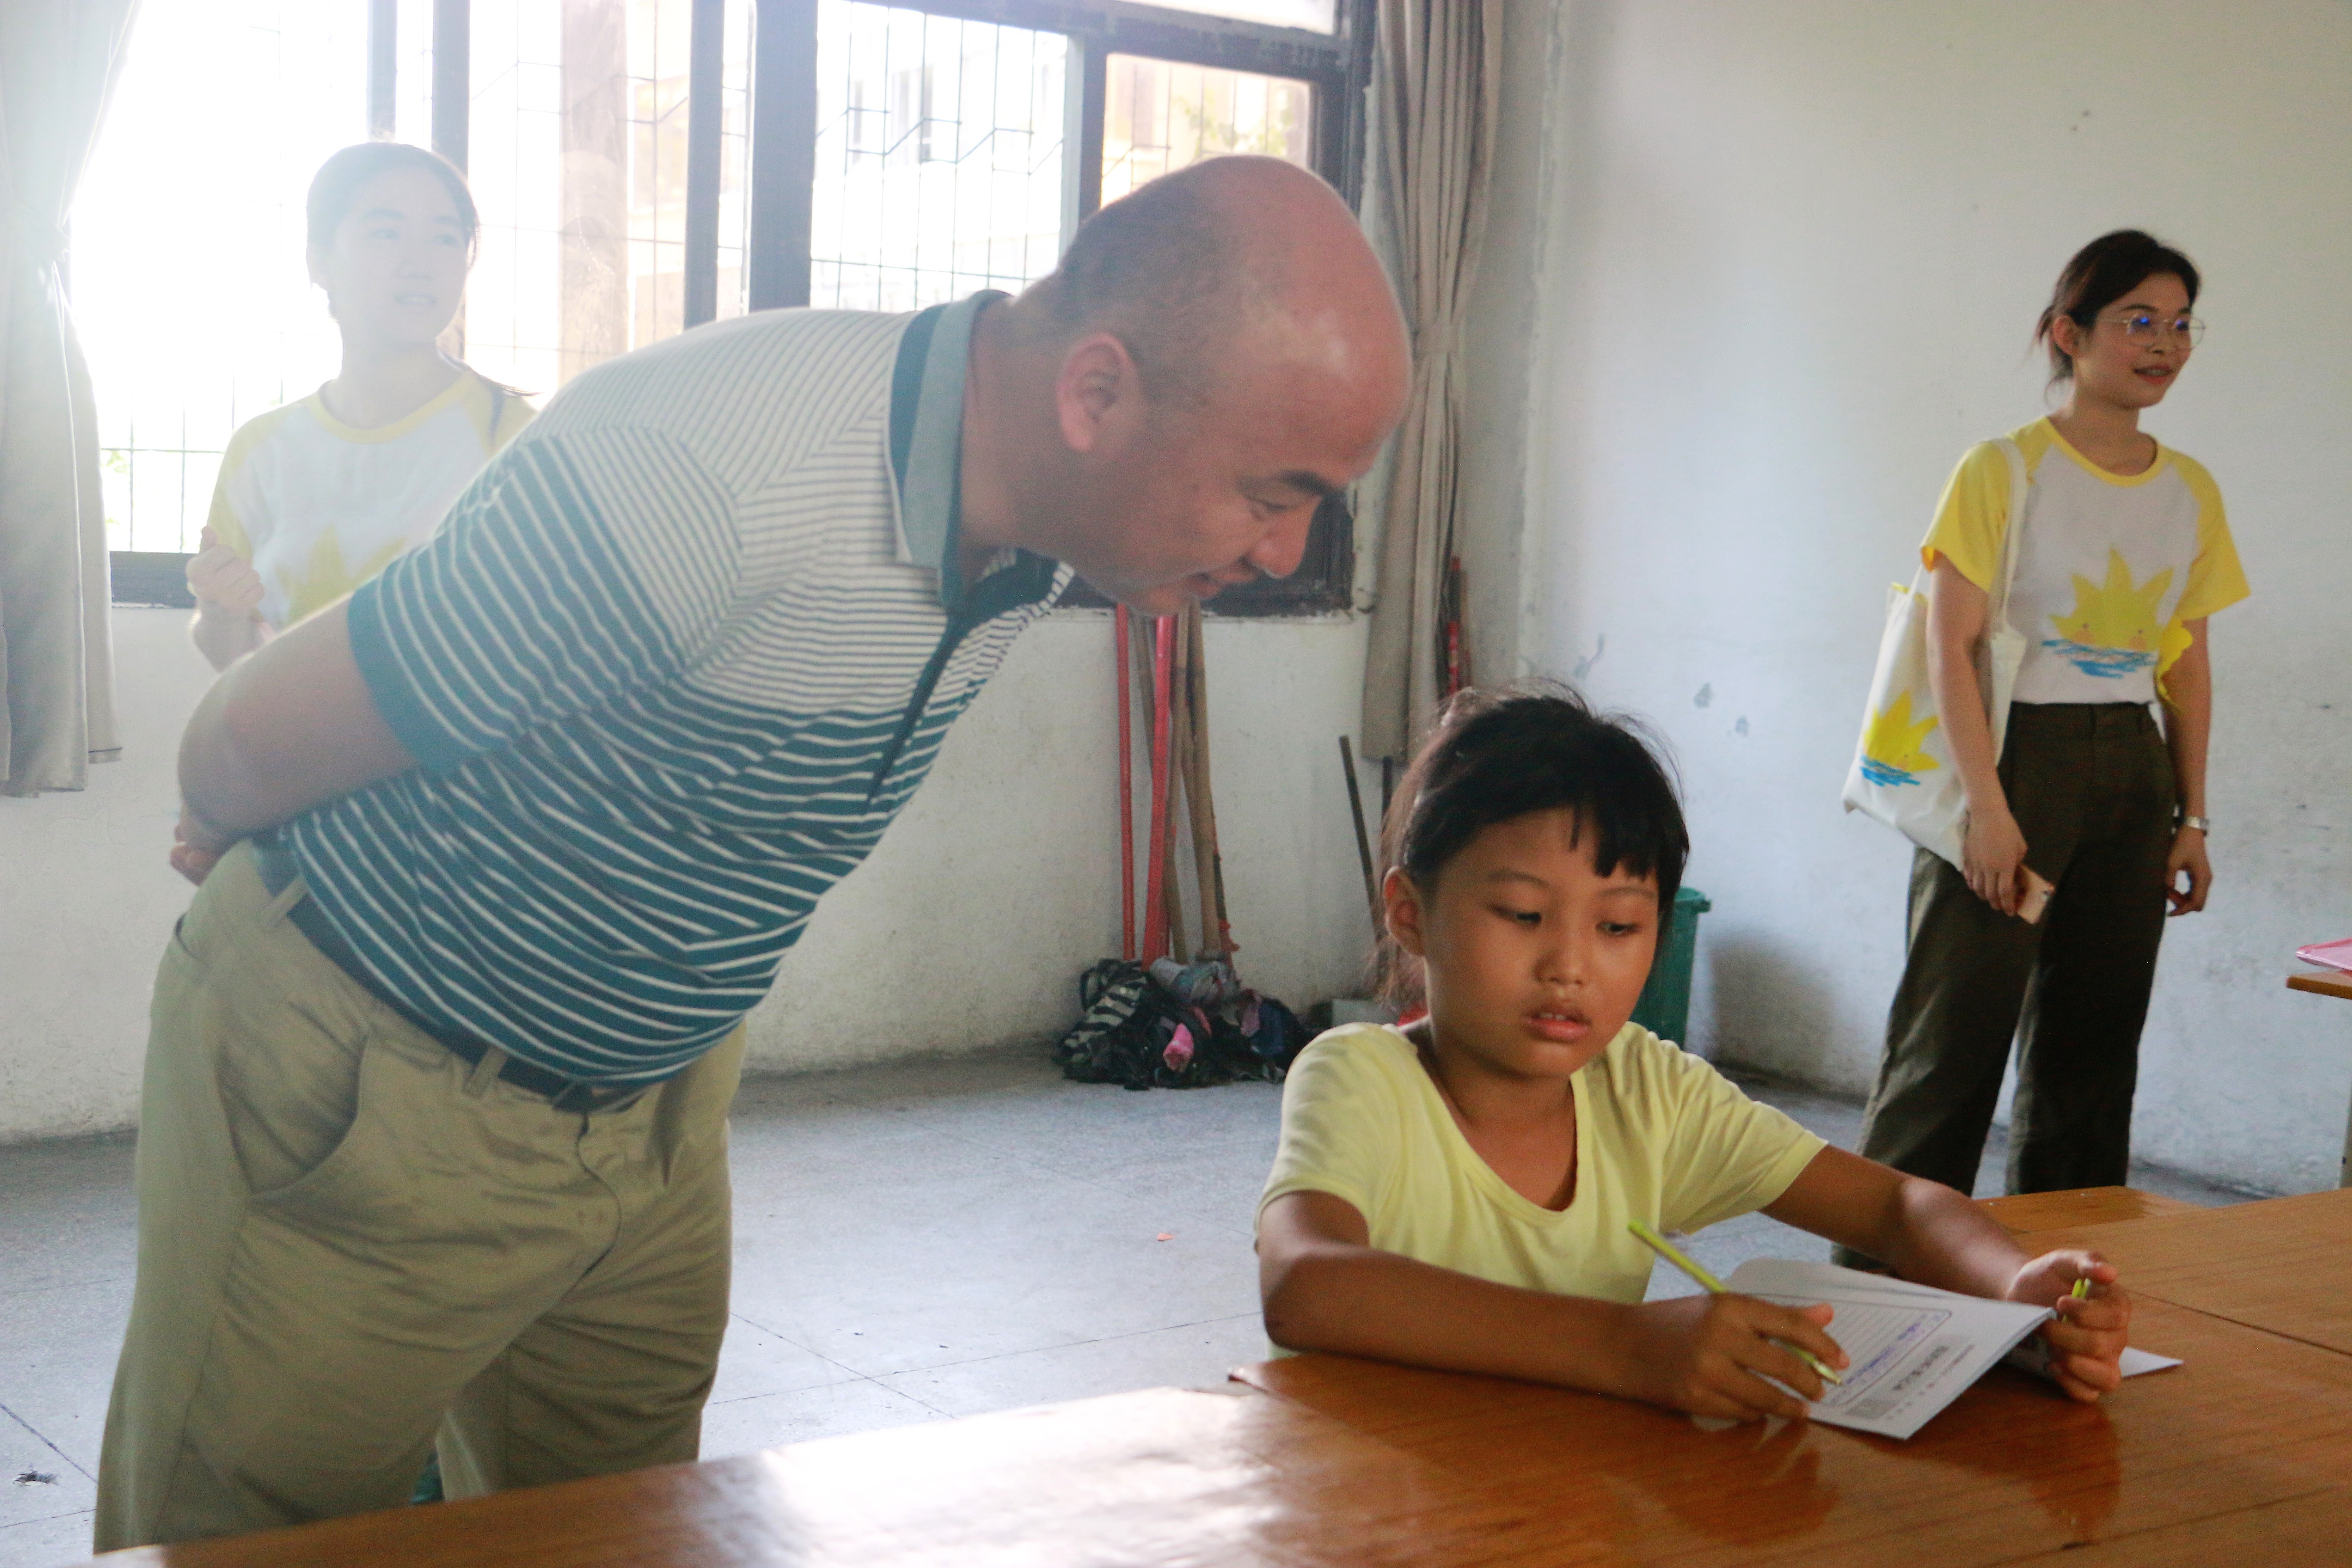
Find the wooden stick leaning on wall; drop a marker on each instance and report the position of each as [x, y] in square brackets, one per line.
[1208, 860]
[1180, 750]
[1158, 857]
[1140, 665]
[1126, 673]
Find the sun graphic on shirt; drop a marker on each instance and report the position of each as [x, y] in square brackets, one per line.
[326, 576]
[2114, 628]
[1891, 743]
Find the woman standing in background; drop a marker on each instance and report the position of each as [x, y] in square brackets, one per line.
[2126, 552]
[319, 496]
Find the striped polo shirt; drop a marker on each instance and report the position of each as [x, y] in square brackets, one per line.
[678, 657]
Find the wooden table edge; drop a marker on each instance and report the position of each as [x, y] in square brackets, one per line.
[2322, 982]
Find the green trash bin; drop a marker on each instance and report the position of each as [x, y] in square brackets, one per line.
[1664, 1006]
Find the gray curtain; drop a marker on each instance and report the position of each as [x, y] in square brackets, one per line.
[58, 62]
[1436, 80]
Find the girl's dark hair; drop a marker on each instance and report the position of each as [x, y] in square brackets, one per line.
[2102, 272]
[1496, 755]
[337, 184]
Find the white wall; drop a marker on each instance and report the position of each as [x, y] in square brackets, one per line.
[1784, 265]
[970, 925]
[968, 928]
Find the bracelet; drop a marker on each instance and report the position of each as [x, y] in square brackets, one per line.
[2201, 824]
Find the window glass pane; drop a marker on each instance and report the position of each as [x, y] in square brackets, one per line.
[189, 288]
[577, 153]
[1160, 115]
[735, 161]
[939, 157]
[1315, 16]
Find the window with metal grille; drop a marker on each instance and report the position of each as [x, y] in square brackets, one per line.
[647, 165]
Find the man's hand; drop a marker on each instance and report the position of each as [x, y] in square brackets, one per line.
[2087, 1338]
[225, 584]
[2188, 855]
[196, 849]
[1710, 1355]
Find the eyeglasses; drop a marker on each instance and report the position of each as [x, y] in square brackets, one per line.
[2145, 327]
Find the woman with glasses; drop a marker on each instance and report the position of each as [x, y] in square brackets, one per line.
[2123, 552]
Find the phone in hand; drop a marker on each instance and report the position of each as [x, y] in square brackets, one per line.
[2035, 896]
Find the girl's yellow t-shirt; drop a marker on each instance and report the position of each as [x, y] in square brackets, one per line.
[1661, 1137]
[319, 507]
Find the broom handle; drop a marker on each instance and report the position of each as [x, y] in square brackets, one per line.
[1209, 866]
[1126, 793]
[1180, 750]
[1155, 918]
[1363, 844]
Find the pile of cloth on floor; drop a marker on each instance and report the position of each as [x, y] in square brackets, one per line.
[1176, 1025]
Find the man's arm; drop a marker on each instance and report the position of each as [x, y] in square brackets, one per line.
[289, 727]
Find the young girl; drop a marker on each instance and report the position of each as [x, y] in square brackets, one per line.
[315, 498]
[2123, 553]
[1455, 1195]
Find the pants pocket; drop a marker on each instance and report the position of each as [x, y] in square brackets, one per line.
[289, 1082]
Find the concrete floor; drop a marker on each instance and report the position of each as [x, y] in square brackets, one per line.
[913, 1243]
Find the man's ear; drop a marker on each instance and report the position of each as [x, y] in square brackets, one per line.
[1402, 902]
[1097, 376]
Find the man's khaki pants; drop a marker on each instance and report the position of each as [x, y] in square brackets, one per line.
[351, 1239]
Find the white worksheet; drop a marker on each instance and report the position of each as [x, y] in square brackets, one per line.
[1914, 1347]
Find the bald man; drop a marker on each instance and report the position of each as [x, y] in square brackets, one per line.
[496, 853]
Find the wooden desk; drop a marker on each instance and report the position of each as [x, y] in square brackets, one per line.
[2325, 982]
[2330, 983]
[2284, 1264]
[2028, 1213]
[2253, 1422]
[2246, 1450]
[1162, 1477]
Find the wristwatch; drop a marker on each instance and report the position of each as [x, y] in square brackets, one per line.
[2201, 824]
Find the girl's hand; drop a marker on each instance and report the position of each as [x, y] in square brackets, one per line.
[1710, 1354]
[2087, 1338]
[2187, 855]
[225, 584]
[1993, 856]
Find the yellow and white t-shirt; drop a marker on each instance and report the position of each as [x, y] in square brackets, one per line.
[319, 508]
[2110, 567]
[1661, 1137]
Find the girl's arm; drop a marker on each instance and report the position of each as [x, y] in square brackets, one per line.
[1326, 1288]
[2187, 724]
[1994, 850]
[1929, 1234]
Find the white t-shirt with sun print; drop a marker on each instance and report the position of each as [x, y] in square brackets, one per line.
[318, 507]
[2109, 569]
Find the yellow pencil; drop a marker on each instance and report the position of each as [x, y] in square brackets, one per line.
[1680, 1260]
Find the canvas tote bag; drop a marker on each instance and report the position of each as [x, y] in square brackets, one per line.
[1903, 772]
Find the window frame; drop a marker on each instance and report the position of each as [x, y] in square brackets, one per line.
[782, 175]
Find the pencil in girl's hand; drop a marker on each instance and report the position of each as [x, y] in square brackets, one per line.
[1682, 1260]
